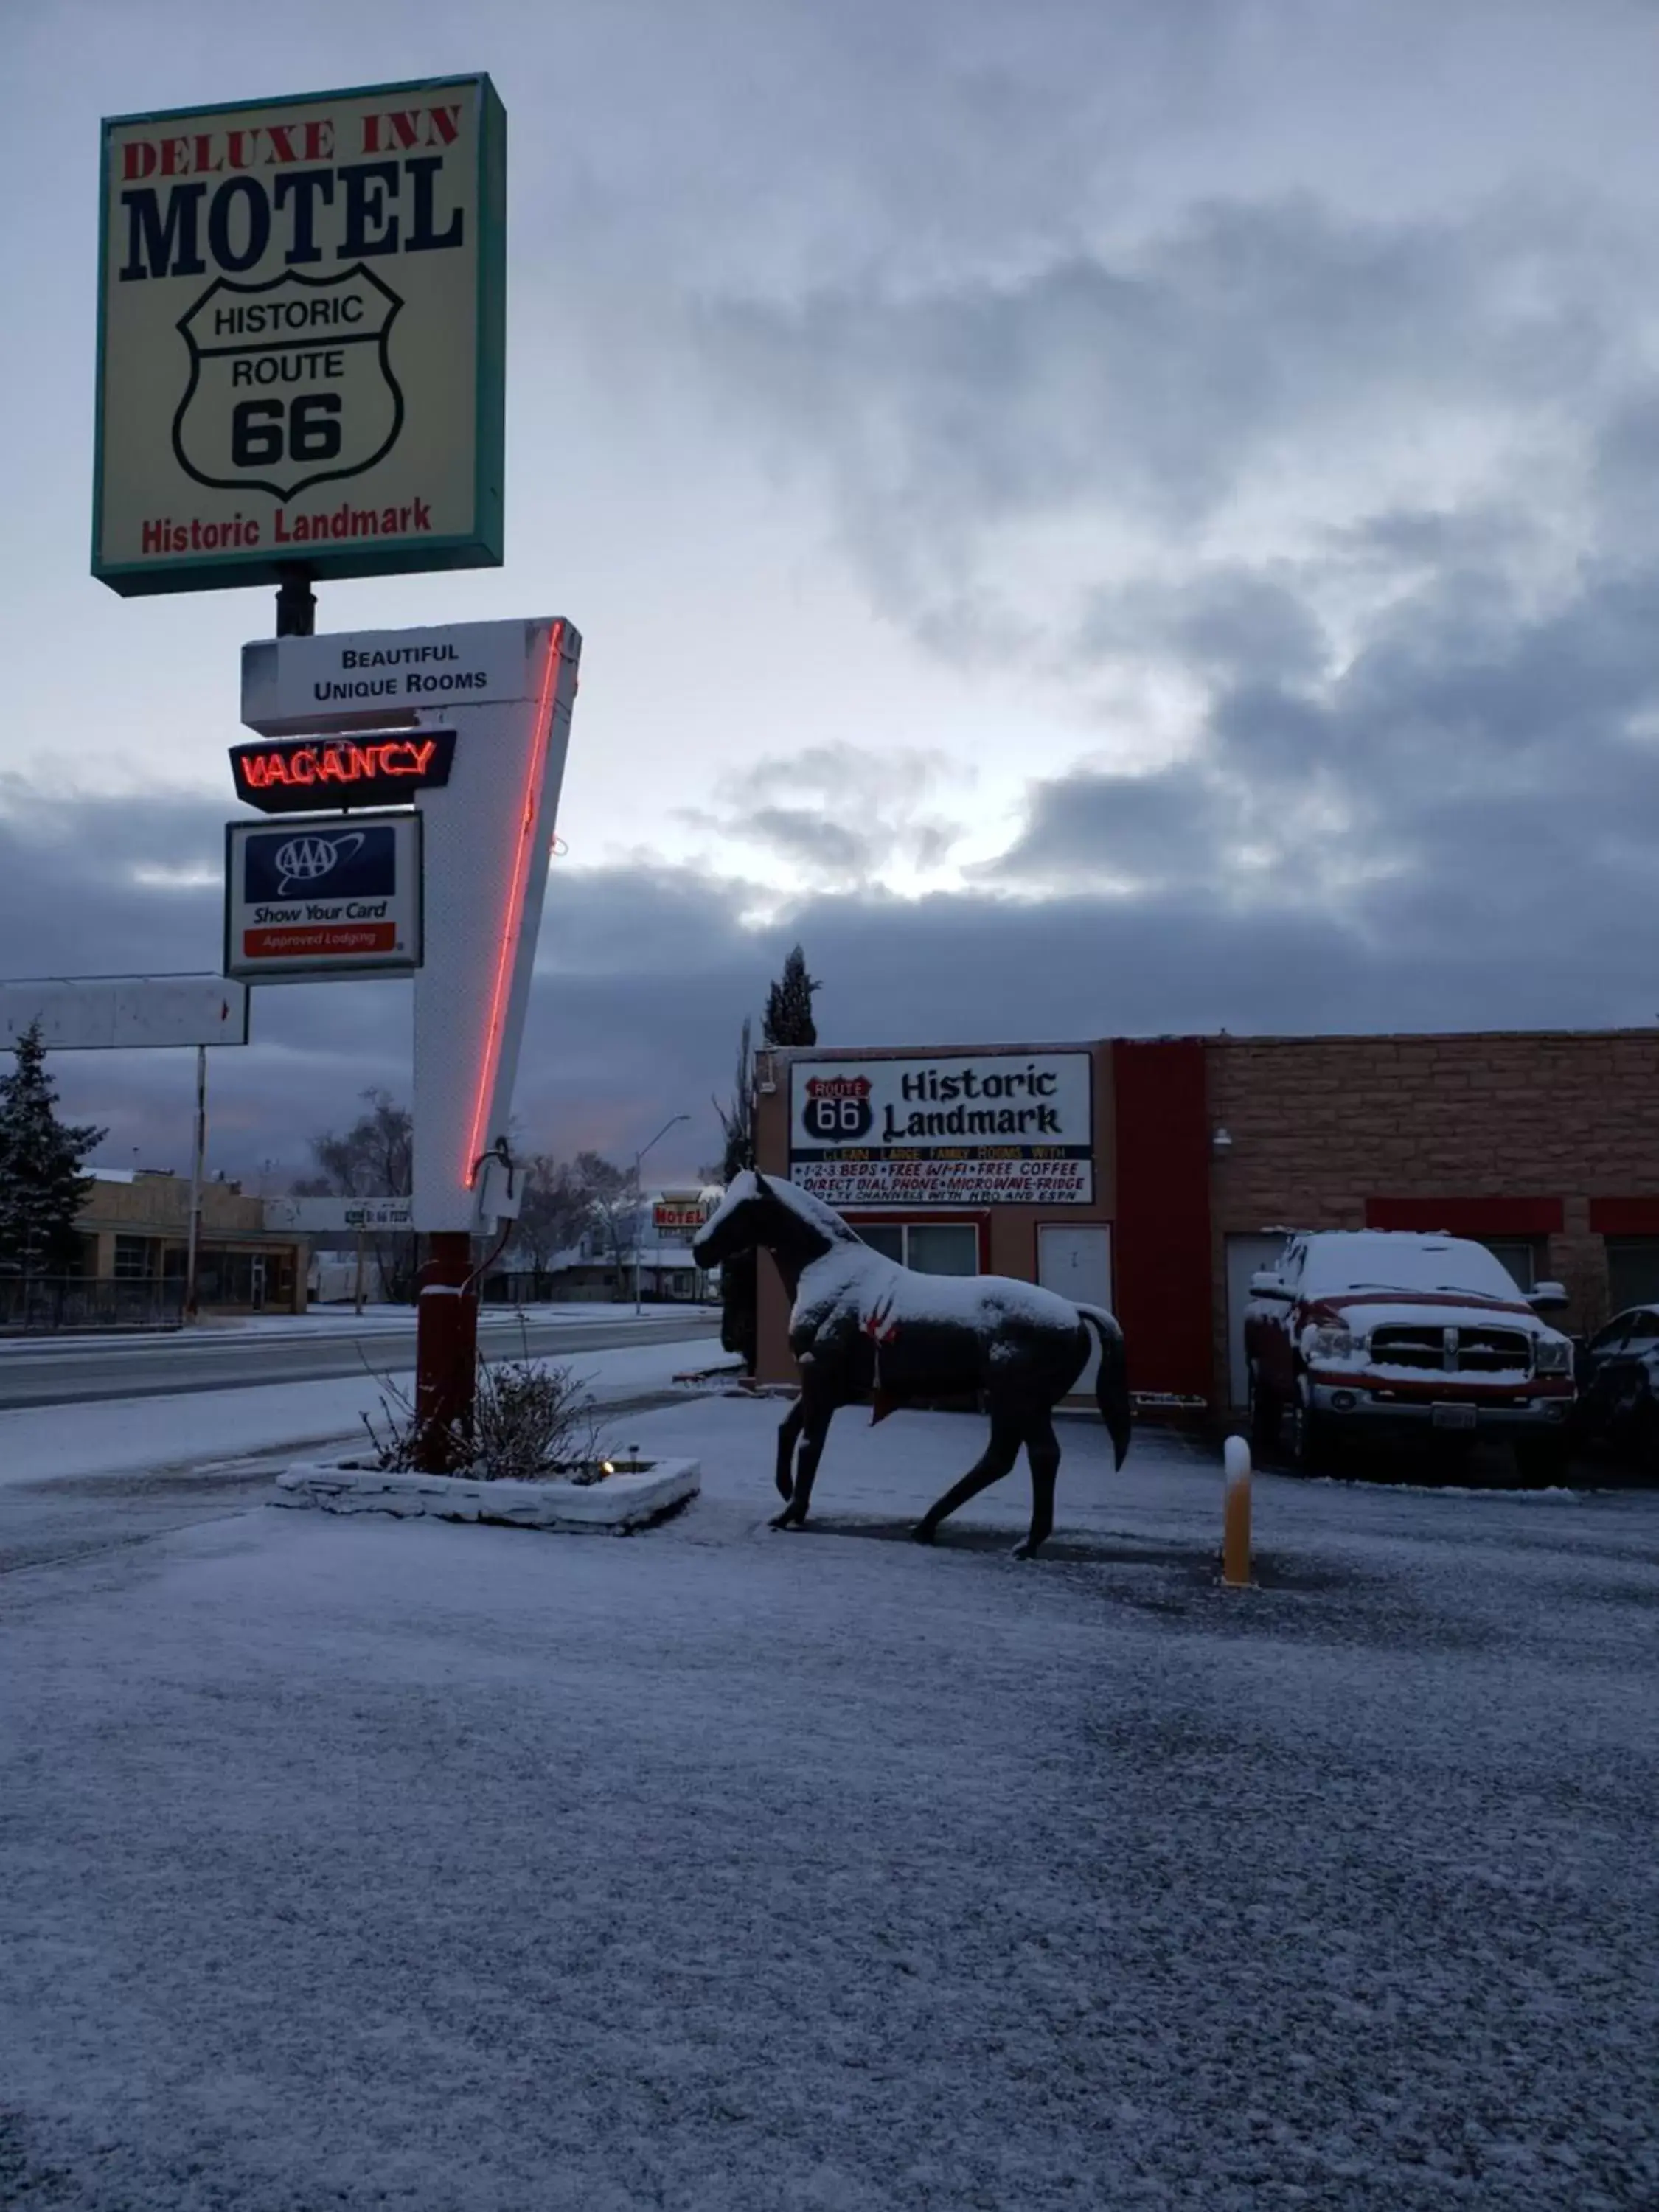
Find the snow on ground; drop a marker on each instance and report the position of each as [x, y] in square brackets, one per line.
[39, 1443]
[728, 1871]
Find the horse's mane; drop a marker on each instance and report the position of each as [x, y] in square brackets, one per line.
[810, 1210]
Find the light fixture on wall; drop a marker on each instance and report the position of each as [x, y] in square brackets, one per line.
[1221, 1141]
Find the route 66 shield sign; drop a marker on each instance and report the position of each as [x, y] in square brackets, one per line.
[302, 327]
[290, 382]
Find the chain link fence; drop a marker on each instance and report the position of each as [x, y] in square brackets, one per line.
[39, 1304]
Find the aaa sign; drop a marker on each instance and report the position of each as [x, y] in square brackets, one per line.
[302, 313]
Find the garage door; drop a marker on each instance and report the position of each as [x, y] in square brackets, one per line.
[1245, 1255]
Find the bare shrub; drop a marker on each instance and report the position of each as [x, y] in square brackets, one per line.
[530, 1420]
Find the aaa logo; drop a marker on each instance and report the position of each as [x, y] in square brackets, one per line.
[290, 382]
[305, 860]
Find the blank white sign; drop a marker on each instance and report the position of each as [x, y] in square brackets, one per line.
[103, 1013]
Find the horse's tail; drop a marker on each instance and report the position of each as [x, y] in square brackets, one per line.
[1112, 1380]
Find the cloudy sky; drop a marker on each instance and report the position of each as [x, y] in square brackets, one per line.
[1099, 516]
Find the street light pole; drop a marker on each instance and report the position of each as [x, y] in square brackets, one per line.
[638, 1157]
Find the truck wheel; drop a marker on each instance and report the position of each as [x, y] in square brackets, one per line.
[1309, 1445]
[1264, 1415]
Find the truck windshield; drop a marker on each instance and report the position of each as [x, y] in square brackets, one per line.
[1394, 1262]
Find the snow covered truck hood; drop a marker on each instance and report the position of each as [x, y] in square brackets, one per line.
[1362, 1311]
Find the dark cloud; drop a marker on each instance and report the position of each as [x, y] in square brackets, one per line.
[839, 816]
[800, 835]
[1470, 809]
[1245, 340]
[1114, 830]
[1226, 623]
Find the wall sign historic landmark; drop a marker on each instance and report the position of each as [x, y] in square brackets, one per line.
[301, 323]
[981, 1129]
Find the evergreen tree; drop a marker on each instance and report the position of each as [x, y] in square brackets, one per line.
[789, 1005]
[42, 1188]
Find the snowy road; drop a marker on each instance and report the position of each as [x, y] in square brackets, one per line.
[357, 1864]
[63, 1371]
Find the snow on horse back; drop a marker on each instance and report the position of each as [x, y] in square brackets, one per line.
[863, 1326]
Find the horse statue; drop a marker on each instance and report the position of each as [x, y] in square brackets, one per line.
[861, 1323]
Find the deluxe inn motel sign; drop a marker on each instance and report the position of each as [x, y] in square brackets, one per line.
[301, 323]
[302, 328]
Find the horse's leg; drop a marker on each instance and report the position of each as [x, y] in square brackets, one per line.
[788, 1429]
[816, 1418]
[994, 1463]
[1042, 1450]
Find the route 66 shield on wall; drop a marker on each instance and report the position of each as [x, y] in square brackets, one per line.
[301, 317]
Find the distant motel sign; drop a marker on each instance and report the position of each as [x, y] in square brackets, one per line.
[323, 898]
[302, 330]
[988, 1128]
[679, 1216]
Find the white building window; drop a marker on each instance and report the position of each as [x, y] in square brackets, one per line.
[932, 1247]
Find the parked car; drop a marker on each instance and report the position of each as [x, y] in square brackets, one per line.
[1618, 1376]
[1392, 1334]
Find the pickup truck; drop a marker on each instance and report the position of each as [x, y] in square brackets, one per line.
[1391, 1333]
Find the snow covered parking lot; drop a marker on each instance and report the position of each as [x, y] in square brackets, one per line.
[352, 1863]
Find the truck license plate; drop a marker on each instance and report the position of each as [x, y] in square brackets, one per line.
[1451, 1417]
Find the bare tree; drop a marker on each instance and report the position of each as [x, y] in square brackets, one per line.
[612, 1198]
[374, 1158]
[554, 1207]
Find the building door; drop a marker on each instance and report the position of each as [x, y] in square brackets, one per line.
[256, 1287]
[1245, 1256]
[1077, 1262]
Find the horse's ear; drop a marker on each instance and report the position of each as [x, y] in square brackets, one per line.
[761, 1190]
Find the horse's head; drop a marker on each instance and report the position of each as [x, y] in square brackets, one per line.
[738, 1223]
[765, 1211]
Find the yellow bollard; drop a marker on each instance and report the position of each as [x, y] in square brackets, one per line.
[1236, 1515]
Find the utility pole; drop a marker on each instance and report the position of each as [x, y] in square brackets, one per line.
[199, 1160]
[638, 1157]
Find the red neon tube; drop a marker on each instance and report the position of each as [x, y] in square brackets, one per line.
[519, 879]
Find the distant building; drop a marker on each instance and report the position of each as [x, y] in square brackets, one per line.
[134, 1230]
[1156, 1175]
[590, 1270]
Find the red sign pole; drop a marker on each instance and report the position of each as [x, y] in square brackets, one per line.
[446, 1349]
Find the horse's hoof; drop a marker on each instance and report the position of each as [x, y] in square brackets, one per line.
[1026, 1549]
[921, 1534]
[787, 1519]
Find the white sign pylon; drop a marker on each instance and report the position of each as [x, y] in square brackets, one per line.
[488, 832]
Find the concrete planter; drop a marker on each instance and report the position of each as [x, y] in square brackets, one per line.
[618, 1504]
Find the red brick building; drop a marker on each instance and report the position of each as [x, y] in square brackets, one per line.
[1151, 1173]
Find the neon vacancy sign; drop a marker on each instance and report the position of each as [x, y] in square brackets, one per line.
[301, 775]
